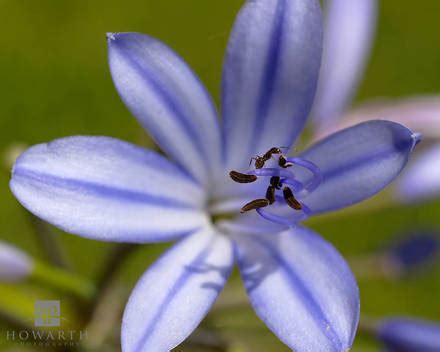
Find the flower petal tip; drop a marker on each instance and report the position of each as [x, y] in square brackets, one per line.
[309, 280]
[417, 138]
[111, 36]
[114, 37]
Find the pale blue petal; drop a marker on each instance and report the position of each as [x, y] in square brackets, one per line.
[410, 335]
[348, 32]
[174, 295]
[270, 76]
[168, 99]
[302, 288]
[421, 180]
[106, 189]
[356, 163]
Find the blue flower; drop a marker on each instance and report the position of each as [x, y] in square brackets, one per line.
[105, 189]
[409, 335]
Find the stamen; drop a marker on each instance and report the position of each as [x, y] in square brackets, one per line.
[294, 184]
[275, 182]
[306, 210]
[291, 221]
[270, 194]
[269, 172]
[282, 161]
[255, 205]
[242, 178]
[290, 199]
[280, 179]
[313, 168]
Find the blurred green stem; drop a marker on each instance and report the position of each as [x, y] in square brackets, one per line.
[48, 241]
[204, 338]
[115, 259]
[108, 302]
[117, 256]
[105, 319]
[13, 321]
[63, 280]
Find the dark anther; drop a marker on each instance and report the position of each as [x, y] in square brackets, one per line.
[261, 160]
[270, 194]
[255, 204]
[282, 161]
[275, 182]
[242, 178]
[290, 199]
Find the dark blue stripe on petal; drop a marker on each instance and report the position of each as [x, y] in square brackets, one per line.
[171, 294]
[356, 164]
[304, 292]
[270, 74]
[168, 100]
[97, 189]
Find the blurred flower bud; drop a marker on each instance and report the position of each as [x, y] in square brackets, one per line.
[15, 265]
[409, 335]
[411, 252]
[416, 249]
[404, 255]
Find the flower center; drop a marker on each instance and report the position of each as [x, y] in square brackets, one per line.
[285, 192]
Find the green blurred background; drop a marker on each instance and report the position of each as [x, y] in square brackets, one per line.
[55, 82]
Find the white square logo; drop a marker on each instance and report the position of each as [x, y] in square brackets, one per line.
[47, 313]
